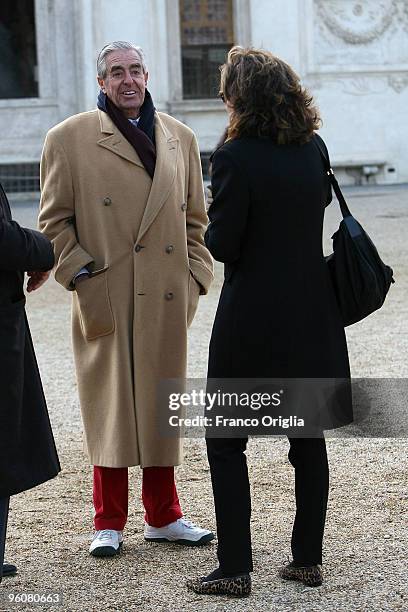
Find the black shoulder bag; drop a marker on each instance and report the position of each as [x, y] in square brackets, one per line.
[360, 278]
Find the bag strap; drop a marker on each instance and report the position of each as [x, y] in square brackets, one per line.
[345, 211]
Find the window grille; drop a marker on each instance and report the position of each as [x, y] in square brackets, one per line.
[20, 178]
[206, 37]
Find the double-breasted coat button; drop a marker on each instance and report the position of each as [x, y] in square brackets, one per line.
[107, 201]
[169, 295]
[138, 248]
[184, 206]
[169, 248]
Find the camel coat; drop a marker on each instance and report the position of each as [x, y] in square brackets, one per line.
[143, 242]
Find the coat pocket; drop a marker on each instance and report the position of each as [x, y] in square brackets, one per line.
[95, 311]
[193, 297]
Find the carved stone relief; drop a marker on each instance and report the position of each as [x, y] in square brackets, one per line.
[354, 85]
[361, 85]
[360, 32]
[357, 22]
[398, 82]
[365, 40]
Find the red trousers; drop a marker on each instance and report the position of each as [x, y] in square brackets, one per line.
[110, 497]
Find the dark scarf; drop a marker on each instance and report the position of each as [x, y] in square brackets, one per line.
[141, 137]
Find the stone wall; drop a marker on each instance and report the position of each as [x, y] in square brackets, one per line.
[352, 54]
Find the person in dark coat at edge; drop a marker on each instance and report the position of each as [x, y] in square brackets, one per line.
[28, 456]
[277, 315]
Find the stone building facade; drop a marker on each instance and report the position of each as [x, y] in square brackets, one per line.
[352, 54]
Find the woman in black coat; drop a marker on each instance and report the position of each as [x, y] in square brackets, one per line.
[277, 316]
[28, 455]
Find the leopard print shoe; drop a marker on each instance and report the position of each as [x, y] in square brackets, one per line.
[310, 576]
[236, 586]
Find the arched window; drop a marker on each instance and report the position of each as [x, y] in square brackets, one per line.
[18, 50]
[206, 30]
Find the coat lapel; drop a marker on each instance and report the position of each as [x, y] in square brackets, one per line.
[164, 174]
[114, 141]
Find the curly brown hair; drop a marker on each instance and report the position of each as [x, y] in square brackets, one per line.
[267, 98]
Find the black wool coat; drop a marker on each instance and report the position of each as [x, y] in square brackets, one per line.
[28, 455]
[277, 315]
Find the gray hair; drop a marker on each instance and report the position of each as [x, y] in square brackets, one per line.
[101, 67]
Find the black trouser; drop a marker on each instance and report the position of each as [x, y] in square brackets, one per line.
[232, 498]
[4, 506]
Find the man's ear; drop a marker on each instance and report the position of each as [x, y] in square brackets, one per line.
[101, 83]
[146, 77]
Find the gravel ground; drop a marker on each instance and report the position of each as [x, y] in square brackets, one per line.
[366, 539]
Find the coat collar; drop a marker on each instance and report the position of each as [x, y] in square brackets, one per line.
[114, 141]
[166, 162]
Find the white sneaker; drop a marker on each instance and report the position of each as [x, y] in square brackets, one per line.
[181, 531]
[106, 543]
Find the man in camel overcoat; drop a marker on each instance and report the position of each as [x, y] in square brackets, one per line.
[123, 204]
